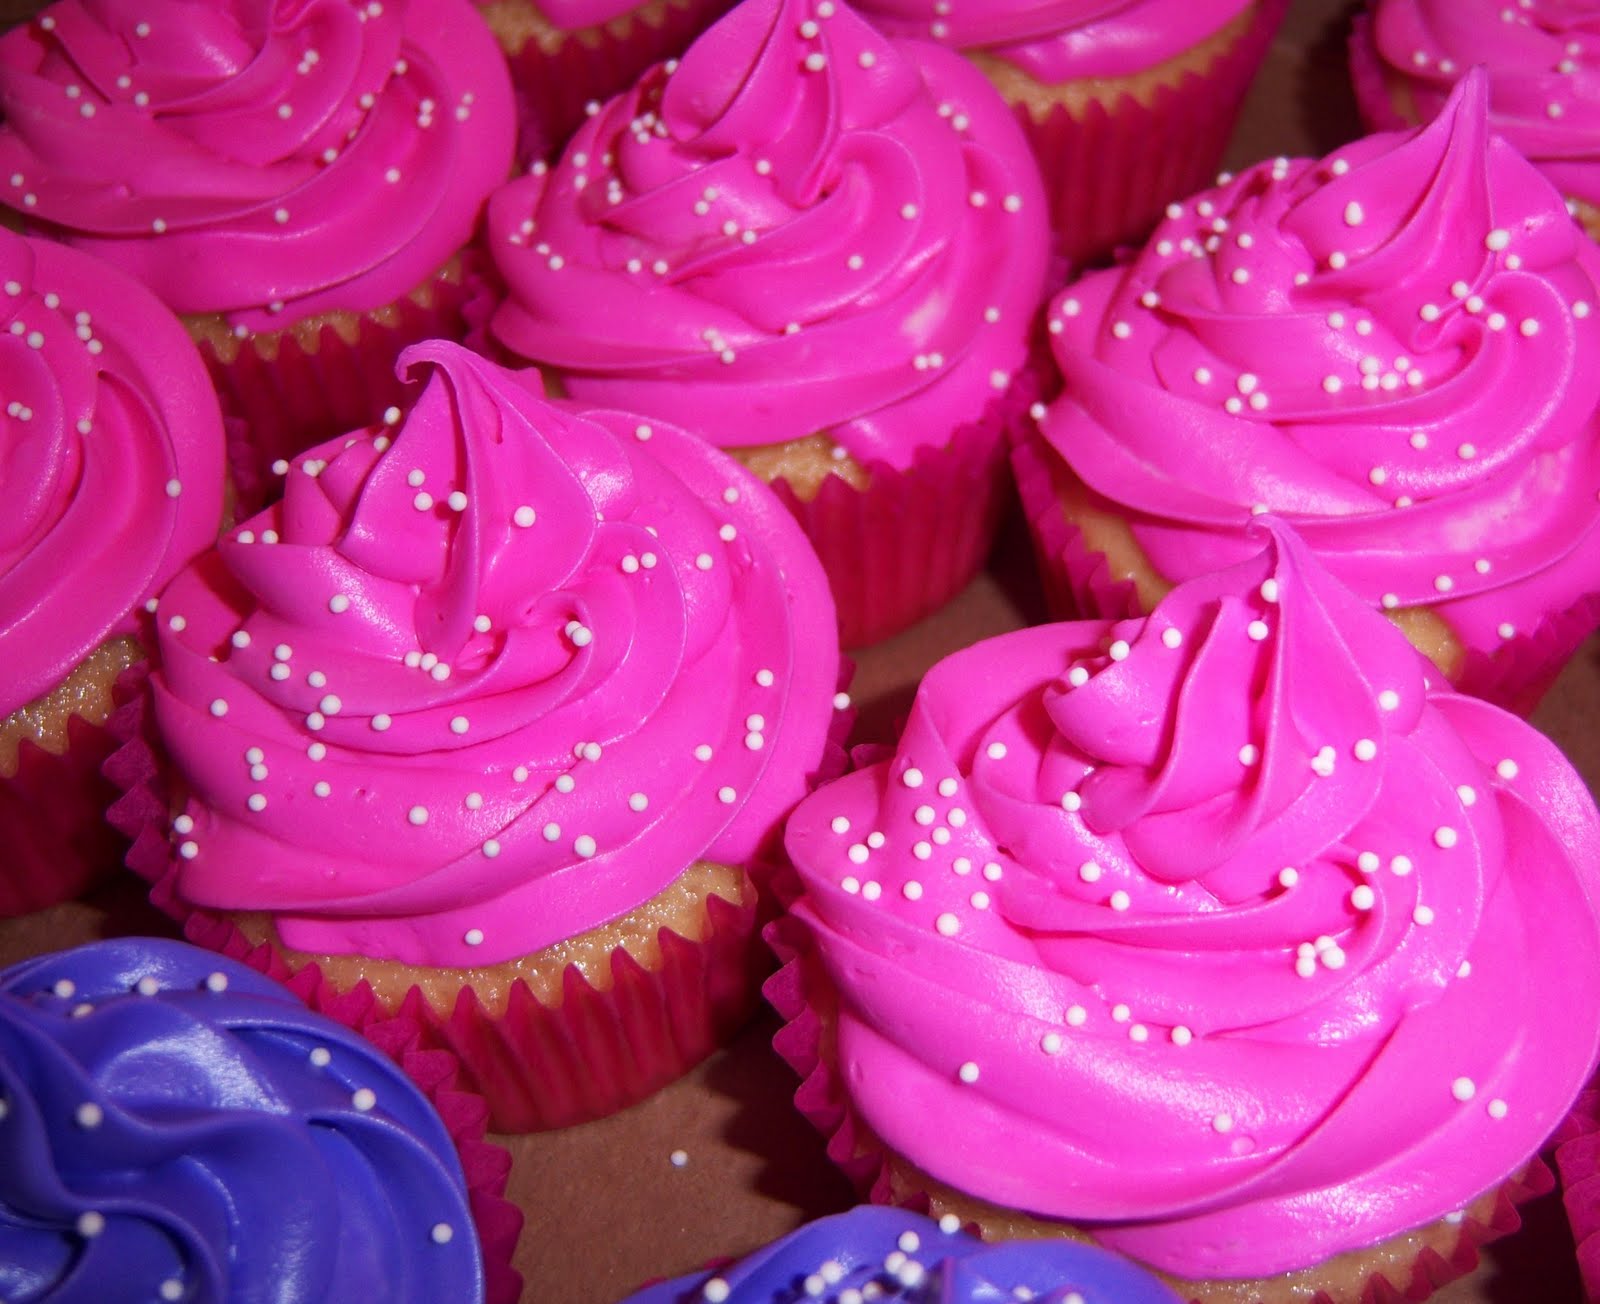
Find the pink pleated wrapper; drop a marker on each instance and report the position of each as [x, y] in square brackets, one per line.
[821, 1098]
[901, 548]
[280, 406]
[554, 87]
[1076, 582]
[53, 816]
[1110, 173]
[1578, 1164]
[1366, 77]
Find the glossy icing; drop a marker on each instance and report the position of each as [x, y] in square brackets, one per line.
[111, 454]
[175, 1126]
[804, 227]
[904, 1256]
[261, 160]
[1224, 933]
[1543, 62]
[1056, 41]
[490, 678]
[1394, 348]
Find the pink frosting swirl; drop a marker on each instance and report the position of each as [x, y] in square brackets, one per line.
[1395, 348]
[1543, 62]
[1058, 41]
[110, 452]
[491, 684]
[1223, 931]
[805, 227]
[262, 159]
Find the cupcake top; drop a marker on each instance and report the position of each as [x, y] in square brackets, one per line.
[1395, 348]
[805, 226]
[890, 1254]
[259, 160]
[111, 453]
[1543, 62]
[173, 1126]
[1057, 41]
[1225, 933]
[507, 667]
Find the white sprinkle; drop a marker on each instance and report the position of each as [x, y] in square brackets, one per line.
[1222, 1122]
[1506, 769]
[1444, 837]
[418, 815]
[1363, 897]
[1365, 749]
[1422, 916]
[364, 1099]
[523, 517]
[91, 1224]
[1463, 1089]
[1120, 900]
[1388, 699]
[968, 1073]
[947, 924]
[89, 1115]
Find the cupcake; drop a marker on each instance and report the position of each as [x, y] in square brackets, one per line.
[299, 182]
[497, 713]
[177, 1127]
[1393, 348]
[1228, 937]
[1127, 103]
[568, 54]
[1541, 60]
[111, 452]
[821, 249]
[889, 1254]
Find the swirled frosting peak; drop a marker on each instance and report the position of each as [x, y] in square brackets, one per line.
[264, 160]
[1224, 932]
[1057, 41]
[889, 1254]
[110, 453]
[1543, 64]
[490, 676]
[173, 1126]
[804, 226]
[1395, 348]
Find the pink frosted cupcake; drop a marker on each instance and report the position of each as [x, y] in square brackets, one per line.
[566, 55]
[496, 715]
[298, 182]
[823, 250]
[1394, 348]
[111, 455]
[1541, 56]
[1226, 937]
[1127, 103]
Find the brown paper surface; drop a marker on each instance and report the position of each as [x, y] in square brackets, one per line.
[607, 1208]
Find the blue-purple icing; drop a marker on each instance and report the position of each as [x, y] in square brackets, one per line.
[914, 1259]
[174, 1126]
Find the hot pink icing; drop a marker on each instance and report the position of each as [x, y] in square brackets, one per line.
[1543, 62]
[262, 160]
[805, 227]
[1395, 348]
[1225, 932]
[1056, 41]
[542, 660]
[110, 453]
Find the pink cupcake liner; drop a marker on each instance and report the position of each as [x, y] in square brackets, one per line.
[277, 407]
[1110, 173]
[554, 87]
[1366, 78]
[53, 815]
[1076, 579]
[820, 1097]
[1577, 1155]
[901, 548]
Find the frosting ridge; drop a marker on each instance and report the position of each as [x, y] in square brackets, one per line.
[1541, 60]
[265, 161]
[1057, 41]
[783, 234]
[111, 452]
[904, 1256]
[155, 1096]
[512, 666]
[1180, 924]
[1391, 347]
